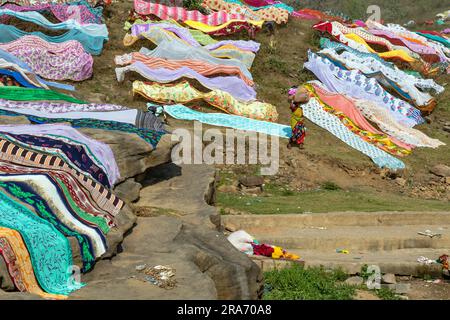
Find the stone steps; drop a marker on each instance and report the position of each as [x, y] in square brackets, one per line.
[389, 240]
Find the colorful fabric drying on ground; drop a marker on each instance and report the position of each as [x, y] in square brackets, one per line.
[360, 83]
[56, 202]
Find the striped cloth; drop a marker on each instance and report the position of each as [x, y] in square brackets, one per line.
[180, 14]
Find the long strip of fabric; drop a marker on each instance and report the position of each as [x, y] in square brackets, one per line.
[55, 61]
[57, 203]
[427, 53]
[91, 30]
[268, 4]
[386, 122]
[202, 67]
[180, 14]
[56, 107]
[29, 196]
[435, 38]
[270, 13]
[181, 112]
[92, 45]
[183, 92]
[371, 68]
[158, 35]
[73, 155]
[176, 50]
[50, 251]
[26, 94]
[423, 84]
[230, 84]
[99, 151]
[75, 193]
[144, 128]
[315, 113]
[356, 42]
[353, 83]
[227, 28]
[13, 248]
[38, 192]
[202, 38]
[11, 152]
[92, 3]
[79, 12]
[183, 33]
[378, 139]
[403, 32]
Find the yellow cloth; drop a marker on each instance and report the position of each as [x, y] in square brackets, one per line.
[183, 92]
[385, 55]
[205, 28]
[23, 262]
[278, 15]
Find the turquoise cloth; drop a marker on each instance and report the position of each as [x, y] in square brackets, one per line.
[181, 112]
[93, 45]
[92, 30]
[277, 5]
[50, 252]
[433, 37]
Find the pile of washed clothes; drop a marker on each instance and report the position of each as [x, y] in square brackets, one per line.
[375, 85]
[56, 201]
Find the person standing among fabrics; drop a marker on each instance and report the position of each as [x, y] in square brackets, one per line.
[296, 98]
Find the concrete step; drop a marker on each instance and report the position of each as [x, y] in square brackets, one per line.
[354, 238]
[400, 262]
[360, 219]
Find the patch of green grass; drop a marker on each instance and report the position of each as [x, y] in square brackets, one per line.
[298, 283]
[386, 294]
[330, 185]
[278, 200]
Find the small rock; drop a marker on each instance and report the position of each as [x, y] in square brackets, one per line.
[400, 181]
[354, 281]
[446, 128]
[402, 288]
[388, 278]
[401, 297]
[255, 190]
[252, 181]
[441, 170]
[227, 189]
[447, 180]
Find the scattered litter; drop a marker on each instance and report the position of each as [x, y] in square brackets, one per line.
[319, 228]
[141, 267]
[344, 251]
[161, 276]
[429, 233]
[425, 260]
[444, 261]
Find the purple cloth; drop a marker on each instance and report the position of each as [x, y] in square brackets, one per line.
[231, 84]
[79, 13]
[184, 34]
[101, 150]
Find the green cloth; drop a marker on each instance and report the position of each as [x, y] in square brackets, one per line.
[29, 94]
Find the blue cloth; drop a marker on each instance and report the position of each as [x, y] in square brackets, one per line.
[18, 77]
[435, 38]
[13, 59]
[93, 45]
[227, 120]
[91, 30]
